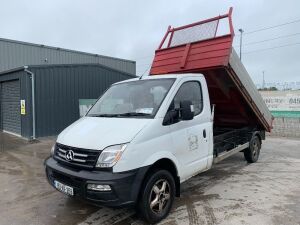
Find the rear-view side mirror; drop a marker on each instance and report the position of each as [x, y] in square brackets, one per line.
[170, 117]
[186, 110]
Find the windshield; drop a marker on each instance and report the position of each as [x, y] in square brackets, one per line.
[141, 98]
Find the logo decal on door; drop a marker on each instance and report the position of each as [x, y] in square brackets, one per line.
[193, 142]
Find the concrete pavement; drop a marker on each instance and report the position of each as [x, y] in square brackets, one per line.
[233, 192]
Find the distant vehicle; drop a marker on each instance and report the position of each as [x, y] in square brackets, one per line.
[145, 136]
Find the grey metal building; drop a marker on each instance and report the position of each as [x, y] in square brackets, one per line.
[15, 54]
[42, 100]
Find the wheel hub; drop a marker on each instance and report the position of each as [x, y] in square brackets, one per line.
[255, 148]
[159, 196]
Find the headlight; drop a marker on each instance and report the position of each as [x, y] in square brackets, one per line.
[110, 156]
[52, 150]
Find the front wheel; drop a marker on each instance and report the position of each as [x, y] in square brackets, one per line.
[252, 153]
[157, 196]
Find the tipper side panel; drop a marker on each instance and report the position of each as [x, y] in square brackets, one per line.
[202, 48]
[198, 55]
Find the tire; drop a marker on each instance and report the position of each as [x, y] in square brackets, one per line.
[251, 154]
[158, 189]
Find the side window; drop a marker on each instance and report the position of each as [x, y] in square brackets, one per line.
[190, 91]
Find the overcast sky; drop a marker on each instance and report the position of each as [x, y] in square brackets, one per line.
[132, 29]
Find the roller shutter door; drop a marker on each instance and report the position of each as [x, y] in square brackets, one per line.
[10, 106]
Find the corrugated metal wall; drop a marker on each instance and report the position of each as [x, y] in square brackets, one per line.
[15, 54]
[59, 88]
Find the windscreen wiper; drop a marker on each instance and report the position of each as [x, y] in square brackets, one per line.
[103, 115]
[120, 114]
[134, 114]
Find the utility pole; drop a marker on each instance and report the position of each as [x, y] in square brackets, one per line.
[241, 42]
[263, 83]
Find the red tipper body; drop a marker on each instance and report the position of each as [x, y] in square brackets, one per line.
[206, 47]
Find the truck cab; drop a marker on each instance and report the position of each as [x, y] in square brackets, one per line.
[140, 140]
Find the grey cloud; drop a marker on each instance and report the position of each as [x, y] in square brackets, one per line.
[133, 28]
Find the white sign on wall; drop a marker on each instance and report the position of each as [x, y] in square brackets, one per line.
[282, 100]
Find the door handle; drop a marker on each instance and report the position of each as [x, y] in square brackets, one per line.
[204, 133]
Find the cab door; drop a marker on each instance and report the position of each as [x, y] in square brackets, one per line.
[190, 138]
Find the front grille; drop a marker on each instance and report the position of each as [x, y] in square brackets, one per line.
[82, 158]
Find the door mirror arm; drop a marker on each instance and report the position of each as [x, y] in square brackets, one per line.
[186, 110]
[171, 117]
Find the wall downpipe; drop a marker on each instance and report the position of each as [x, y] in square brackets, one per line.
[32, 100]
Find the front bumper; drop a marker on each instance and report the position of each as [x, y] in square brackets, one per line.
[125, 186]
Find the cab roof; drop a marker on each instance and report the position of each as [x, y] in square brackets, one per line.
[163, 76]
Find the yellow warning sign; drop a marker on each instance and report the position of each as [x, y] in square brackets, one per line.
[23, 109]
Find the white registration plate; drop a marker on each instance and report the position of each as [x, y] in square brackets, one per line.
[63, 188]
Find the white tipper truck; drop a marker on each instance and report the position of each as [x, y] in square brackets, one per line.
[145, 136]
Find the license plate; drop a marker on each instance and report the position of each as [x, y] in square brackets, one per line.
[63, 188]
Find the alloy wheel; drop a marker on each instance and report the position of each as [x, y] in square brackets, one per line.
[159, 196]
